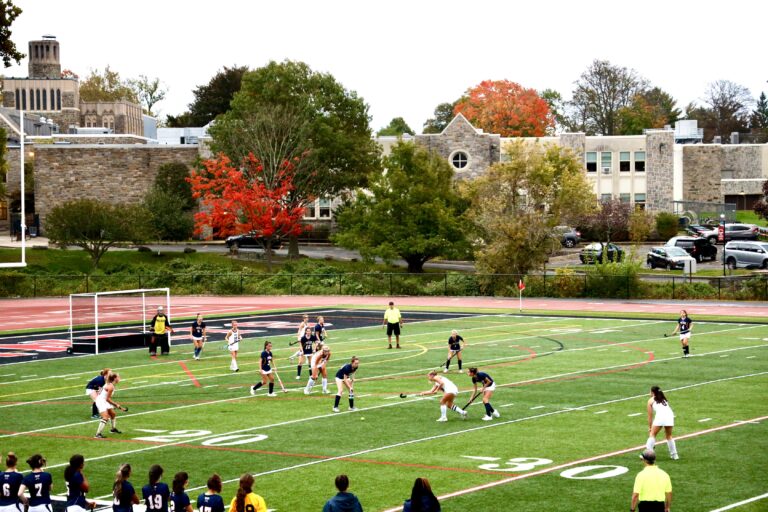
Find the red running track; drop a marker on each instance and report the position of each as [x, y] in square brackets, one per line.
[54, 312]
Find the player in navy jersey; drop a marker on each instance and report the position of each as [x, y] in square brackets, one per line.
[345, 377]
[93, 387]
[123, 494]
[198, 335]
[265, 368]
[77, 485]
[179, 498]
[320, 329]
[454, 349]
[156, 494]
[211, 501]
[684, 327]
[489, 386]
[39, 484]
[10, 481]
[307, 347]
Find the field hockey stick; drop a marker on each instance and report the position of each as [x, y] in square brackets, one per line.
[455, 353]
[668, 335]
[124, 409]
[280, 381]
[412, 395]
[473, 398]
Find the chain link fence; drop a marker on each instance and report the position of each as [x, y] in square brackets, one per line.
[555, 285]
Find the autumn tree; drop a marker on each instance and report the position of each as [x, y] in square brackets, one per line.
[397, 126]
[236, 199]
[761, 206]
[443, 115]
[506, 108]
[518, 201]
[726, 109]
[96, 226]
[651, 108]
[211, 99]
[609, 223]
[411, 211]
[600, 93]
[106, 86]
[8, 14]
[315, 119]
[150, 92]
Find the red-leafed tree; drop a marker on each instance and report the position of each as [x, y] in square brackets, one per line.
[506, 108]
[239, 200]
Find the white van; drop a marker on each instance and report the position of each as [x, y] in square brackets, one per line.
[746, 253]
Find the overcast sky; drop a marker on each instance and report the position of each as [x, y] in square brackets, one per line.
[406, 57]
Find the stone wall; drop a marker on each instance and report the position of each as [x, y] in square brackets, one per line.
[12, 156]
[703, 165]
[483, 149]
[659, 167]
[576, 142]
[117, 173]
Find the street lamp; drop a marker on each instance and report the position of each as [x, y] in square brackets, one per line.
[721, 237]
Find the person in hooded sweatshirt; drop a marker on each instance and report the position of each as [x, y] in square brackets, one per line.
[343, 501]
[422, 498]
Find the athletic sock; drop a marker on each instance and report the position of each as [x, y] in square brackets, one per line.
[336, 401]
[459, 364]
[310, 384]
[113, 422]
[298, 371]
[271, 387]
[447, 363]
[102, 424]
[325, 384]
[94, 409]
[443, 410]
[650, 443]
[672, 448]
[488, 409]
[257, 386]
[351, 401]
[685, 350]
[457, 409]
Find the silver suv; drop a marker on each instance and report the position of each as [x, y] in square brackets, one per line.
[746, 254]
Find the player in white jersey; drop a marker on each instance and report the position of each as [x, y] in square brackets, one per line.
[449, 390]
[299, 334]
[660, 415]
[319, 366]
[107, 406]
[233, 339]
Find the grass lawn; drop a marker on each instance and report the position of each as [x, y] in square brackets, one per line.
[571, 392]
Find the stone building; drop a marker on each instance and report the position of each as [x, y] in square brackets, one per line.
[47, 93]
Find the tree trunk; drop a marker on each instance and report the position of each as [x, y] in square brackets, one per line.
[268, 254]
[293, 247]
[415, 264]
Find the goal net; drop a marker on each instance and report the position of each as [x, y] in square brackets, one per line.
[119, 319]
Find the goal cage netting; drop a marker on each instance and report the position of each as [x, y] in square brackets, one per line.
[101, 321]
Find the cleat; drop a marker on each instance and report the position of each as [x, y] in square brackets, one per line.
[99, 436]
[95, 416]
[271, 394]
[115, 431]
[335, 409]
[352, 409]
[487, 418]
[445, 370]
[442, 419]
[326, 392]
[464, 415]
[398, 346]
[389, 346]
[253, 390]
[306, 391]
[675, 457]
[461, 371]
[298, 377]
[237, 370]
[496, 414]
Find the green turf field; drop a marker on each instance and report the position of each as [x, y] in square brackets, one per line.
[571, 392]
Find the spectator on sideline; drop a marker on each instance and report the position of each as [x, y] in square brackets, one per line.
[77, 485]
[393, 320]
[39, 484]
[160, 326]
[123, 493]
[179, 497]
[422, 498]
[10, 481]
[211, 500]
[246, 500]
[653, 488]
[343, 501]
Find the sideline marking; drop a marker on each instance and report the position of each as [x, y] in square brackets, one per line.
[740, 503]
[581, 461]
[703, 420]
[635, 414]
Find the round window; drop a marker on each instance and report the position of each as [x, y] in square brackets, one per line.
[460, 160]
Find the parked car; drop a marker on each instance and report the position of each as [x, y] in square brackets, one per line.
[667, 257]
[699, 248]
[568, 236]
[704, 231]
[593, 253]
[733, 231]
[746, 254]
[250, 240]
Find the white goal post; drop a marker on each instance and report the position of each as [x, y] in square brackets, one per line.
[117, 315]
[23, 261]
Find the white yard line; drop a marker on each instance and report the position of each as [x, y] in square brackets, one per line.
[740, 503]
